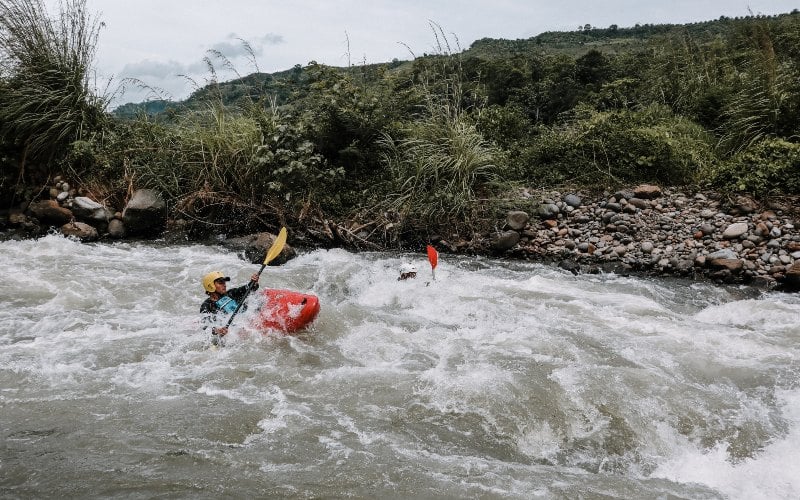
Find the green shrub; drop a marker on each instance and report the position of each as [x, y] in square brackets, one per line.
[619, 147]
[771, 166]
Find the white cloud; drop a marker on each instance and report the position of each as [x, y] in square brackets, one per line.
[271, 39]
[157, 69]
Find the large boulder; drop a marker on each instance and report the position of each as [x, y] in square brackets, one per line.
[791, 280]
[49, 212]
[88, 210]
[254, 247]
[505, 240]
[145, 214]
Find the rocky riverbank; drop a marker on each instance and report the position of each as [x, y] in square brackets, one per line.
[644, 230]
[660, 232]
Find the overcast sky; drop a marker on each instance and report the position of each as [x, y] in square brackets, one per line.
[158, 40]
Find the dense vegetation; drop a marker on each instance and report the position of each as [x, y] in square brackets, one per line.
[411, 146]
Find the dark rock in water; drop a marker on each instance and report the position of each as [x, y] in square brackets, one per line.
[255, 247]
[791, 279]
[569, 265]
[145, 214]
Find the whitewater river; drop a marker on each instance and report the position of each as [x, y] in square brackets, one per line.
[496, 380]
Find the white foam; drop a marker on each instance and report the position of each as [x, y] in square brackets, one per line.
[510, 359]
[773, 473]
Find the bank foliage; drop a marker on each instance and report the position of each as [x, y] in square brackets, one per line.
[422, 143]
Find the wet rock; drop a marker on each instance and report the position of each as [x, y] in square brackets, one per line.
[116, 229]
[50, 212]
[80, 230]
[791, 278]
[254, 248]
[505, 241]
[145, 214]
[570, 266]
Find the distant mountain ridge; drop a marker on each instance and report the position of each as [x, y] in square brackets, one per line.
[284, 85]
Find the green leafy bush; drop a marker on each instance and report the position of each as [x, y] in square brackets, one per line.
[769, 167]
[619, 147]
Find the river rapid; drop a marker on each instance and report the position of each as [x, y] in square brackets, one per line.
[497, 380]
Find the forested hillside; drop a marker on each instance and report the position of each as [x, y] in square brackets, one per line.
[431, 141]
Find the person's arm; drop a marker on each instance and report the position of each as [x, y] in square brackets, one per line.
[209, 311]
[239, 293]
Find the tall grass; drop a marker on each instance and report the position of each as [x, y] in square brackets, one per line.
[440, 160]
[46, 100]
[230, 163]
[764, 98]
[438, 169]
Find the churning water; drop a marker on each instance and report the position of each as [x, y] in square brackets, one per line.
[496, 380]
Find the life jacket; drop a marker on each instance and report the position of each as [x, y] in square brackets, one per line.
[226, 304]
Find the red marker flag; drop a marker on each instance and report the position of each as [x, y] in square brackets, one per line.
[433, 258]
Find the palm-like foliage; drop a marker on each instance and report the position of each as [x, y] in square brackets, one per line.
[46, 101]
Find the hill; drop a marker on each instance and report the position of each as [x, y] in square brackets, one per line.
[288, 85]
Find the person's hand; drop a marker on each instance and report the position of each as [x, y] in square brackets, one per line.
[221, 331]
[254, 278]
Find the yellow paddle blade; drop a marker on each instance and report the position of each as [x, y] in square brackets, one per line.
[277, 246]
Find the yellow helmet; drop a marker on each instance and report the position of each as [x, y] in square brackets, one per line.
[210, 278]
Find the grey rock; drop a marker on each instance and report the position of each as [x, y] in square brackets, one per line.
[573, 200]
[517, 219]
[735, 230]
[505, 241]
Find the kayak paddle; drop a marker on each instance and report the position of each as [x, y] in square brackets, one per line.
[273, 252]
[433, 258]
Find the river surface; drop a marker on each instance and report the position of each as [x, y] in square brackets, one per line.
[495, 380]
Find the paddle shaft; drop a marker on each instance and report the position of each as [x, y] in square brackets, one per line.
[274, 250]
[241, 302]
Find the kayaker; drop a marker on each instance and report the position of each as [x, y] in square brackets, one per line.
[221, 302]
[407, 271]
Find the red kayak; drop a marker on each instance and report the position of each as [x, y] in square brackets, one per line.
[286, 311]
